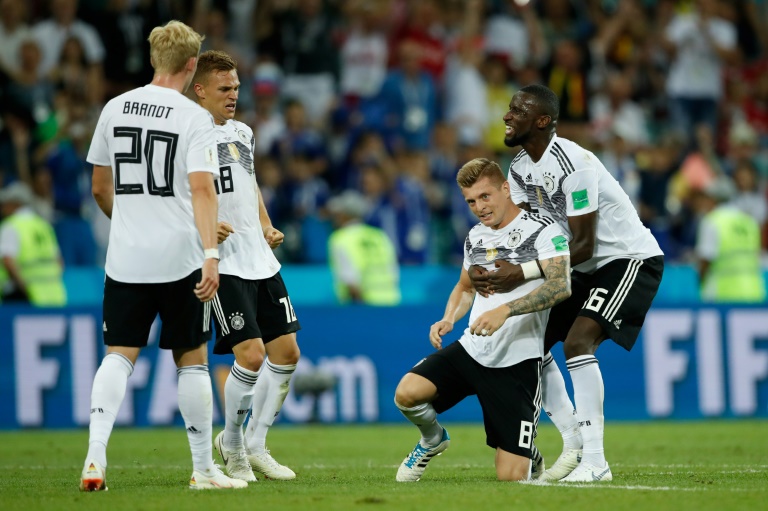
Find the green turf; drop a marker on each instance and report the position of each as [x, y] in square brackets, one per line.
[720, 465]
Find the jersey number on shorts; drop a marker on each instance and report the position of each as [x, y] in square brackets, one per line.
[595, 300]
[227, 185]
[526, 434]
[290, 315]
[155, 140]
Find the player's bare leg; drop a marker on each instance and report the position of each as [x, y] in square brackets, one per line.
[511, 467]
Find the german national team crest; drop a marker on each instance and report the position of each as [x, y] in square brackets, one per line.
[243, 136]
[514, 239]
[549, 182]
[234, 151]
[237, 321]
[491, 253]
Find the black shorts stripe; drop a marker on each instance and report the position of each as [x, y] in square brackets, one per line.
[222, 320]
[621, 292]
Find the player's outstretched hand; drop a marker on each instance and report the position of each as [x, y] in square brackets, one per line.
[206, 289]
[489, 322]
[479, 277]
[506, 277]
[274, 237]
[223, 231]
[437, 331]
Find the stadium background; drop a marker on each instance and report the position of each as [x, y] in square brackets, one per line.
[694, 360]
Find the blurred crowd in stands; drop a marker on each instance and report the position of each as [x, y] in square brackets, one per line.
[391, 97]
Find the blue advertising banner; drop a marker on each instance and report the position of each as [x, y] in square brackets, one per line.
[691, 362]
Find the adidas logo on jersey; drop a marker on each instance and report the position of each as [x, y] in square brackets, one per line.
[236, 320]
[617, 324]
[528, 178]
[104, 327]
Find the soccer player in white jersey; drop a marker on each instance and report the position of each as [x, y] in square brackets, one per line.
[617, 269]
[498, 358]
[252, 309]
[154, 164]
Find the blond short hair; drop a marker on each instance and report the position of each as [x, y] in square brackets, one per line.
[172, 45]
[474, 170]
[212, 61]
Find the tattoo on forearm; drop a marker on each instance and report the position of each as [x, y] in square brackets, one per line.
[554, 290]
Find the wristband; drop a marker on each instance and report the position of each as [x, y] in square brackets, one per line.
[211, 253]
[530, 270]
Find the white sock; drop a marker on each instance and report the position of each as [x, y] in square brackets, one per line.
[238, 394]
[424, 417]
[196, 407]
[268, 397]
[107, 395]
[588, 394]
[558, 405]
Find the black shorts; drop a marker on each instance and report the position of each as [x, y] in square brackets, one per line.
[130, 309]
[251, 309]
[509, 396]
[617, 296]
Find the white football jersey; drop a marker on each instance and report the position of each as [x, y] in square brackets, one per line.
[529, 237]
[245, 253]
[153, 137]
[568, 181]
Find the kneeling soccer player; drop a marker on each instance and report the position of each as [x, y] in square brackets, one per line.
[498, 358]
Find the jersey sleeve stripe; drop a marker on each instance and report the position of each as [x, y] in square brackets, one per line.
[566, 170]
[518, 157]
[556, 147]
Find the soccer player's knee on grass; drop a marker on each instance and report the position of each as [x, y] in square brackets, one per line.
[513, 471]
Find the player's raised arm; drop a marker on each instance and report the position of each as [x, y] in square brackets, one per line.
[459, 302]
[555, 289]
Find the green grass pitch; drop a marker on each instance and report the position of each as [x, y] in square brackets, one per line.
[713, 465]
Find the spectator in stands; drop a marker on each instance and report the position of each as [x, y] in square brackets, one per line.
[52, 33]
[409, 98]
[31, 262]
[727, 248]
[364, 53]
[269, 124]
[750, 192]
[309, 57]
[514, 36]
[362, 257]
[33, 91]
[466, 103]
[699, 43]
[74, 76]
[13, 31]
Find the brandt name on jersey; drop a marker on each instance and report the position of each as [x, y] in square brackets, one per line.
[146, 109]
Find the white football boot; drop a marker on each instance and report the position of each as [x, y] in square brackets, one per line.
[235, 461]
[414, 465]
[265, 464]
[568, 460]
[588, 473]
[214, 479]
[94, 477]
